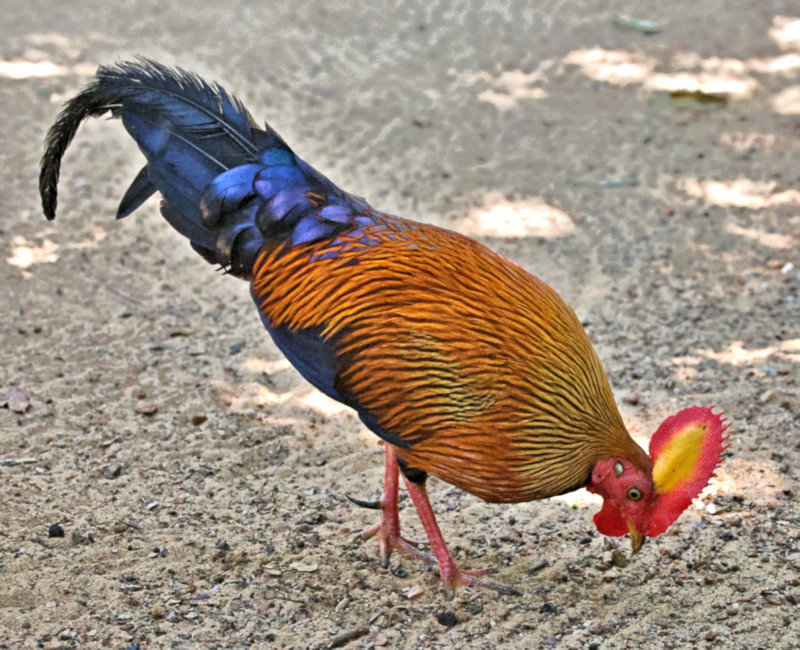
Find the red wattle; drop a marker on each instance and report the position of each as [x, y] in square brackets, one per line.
[609, 522]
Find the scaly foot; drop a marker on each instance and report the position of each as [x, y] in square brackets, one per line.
[452, 576]
[390, 540]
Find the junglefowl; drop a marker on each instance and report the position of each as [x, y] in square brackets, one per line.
[466, 365]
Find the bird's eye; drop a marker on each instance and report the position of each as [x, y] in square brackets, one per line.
[618, 469]
[635, 494]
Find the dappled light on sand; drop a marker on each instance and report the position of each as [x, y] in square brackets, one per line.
[257, 364]
[769, 239]
[323, 404]
[25, 254]
[260, 395]
[580, 499]
[20, 69]
[683, 72]
[502, 217]
[744, 141]
[785, 31]
[760, 482]
[618, 67]
[506, 90]
[690, 72]
[39, 67]
[741, 192]
[787, 102]
[737, 355]
[508, 100]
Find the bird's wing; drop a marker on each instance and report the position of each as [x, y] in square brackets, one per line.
[369, 320]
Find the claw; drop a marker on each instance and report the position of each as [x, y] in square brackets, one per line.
[471, 579]
[371, 505]
[389, 541]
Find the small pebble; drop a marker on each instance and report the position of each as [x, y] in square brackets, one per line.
[618, 558]
[18, 400]
[197, 420]
[548, 608]
[542, 565]
[55, 531]
[413, 592]
[345, 637]
[157, 610]
[113, 470]
[222, 545]
[146, 408]
[448, 619]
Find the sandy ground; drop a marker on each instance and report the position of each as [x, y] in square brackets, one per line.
[201, 483]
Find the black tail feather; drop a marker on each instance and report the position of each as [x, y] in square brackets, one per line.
[89, 103]
[139, 191]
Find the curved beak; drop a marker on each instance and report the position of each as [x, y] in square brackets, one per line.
[637, 539]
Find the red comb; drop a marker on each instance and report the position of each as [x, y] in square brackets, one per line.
[686, 449]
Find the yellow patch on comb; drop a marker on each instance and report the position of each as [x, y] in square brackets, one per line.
[677, 460]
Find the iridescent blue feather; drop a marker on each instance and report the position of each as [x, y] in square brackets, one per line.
[228, 185]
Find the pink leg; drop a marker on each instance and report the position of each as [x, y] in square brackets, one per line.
[452, 576]
[387, 530]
